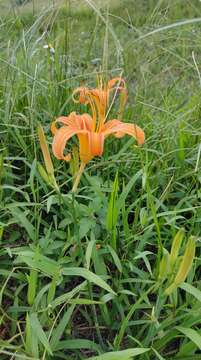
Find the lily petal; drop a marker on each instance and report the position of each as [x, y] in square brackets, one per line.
[66, 120]
[84, 147]
[119, 129]
[96, 143]
[82, 122]
[82, 92]
[120, 81]
[91, 144]
[85, 121]
[60, 139]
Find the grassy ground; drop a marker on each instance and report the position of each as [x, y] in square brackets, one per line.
[39, 5]
[87, 274]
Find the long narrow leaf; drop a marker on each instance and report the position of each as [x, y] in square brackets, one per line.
[191, 334]
[78, 344]
[39, 332]
[21, 219]
[121, 355]
[191, 290]
[57, 333]
[88, 275]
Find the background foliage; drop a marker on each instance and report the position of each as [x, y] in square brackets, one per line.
[85, 276]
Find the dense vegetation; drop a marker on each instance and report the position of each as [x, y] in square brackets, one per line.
[113, 267]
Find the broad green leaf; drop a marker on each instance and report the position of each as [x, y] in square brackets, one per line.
[39, 332]
[66, 297]
[52, 200]
[127, 292]
[28, 334]
[187, 348]
[98, 262]
[42, 263]
[57, 333]
[22, 220]
[32, 281]
[191, 290]
[85, 224]
[31, 342]
[89, 252]
[32, 285]
[52, 288]
[115, 258]
[143, 255]
[191, 334]
[78, 344]
[40, 295]
[83, 301]
[121, 355]
[88, 275]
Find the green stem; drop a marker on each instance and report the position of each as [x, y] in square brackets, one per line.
[100, 339]
[76, 229]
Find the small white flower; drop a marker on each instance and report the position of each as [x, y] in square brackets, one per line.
[50, 47]
[52, 51]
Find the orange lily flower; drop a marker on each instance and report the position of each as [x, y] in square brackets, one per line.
[93, 130]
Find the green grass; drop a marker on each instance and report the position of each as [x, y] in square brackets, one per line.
[86, 274]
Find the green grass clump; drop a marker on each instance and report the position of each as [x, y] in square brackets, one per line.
[113, 271]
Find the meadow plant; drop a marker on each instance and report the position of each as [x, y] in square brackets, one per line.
[112, 271]
[92, 130]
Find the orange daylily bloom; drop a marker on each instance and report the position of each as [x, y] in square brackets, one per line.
[93, 130]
